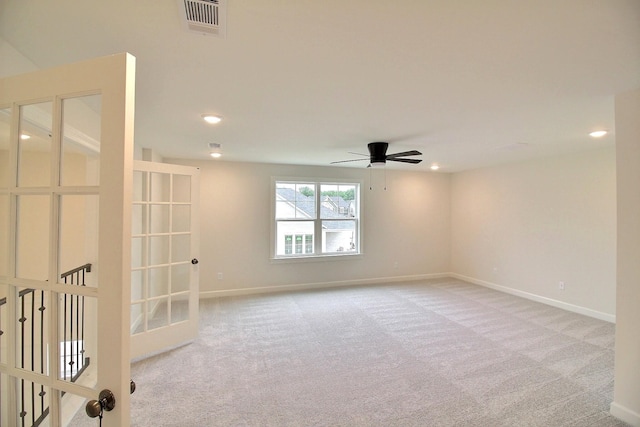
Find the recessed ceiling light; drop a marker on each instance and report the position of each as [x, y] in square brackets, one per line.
[435, 167]
[598, 133]
[25, 136]
[210, 118]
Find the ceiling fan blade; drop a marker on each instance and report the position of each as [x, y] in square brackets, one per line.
[346, 161]
[358, 154]
[404, 154]
[414, 161]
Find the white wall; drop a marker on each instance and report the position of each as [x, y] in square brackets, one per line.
[409, 223]
[525, 227]
[626, 403]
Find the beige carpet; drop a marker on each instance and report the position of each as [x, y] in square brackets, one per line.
[430, 353]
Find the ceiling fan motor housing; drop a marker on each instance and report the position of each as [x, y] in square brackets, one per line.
[378, 151]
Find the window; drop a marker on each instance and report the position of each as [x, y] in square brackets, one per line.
[316, 218]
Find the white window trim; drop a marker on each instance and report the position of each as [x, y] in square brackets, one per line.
[332, 256]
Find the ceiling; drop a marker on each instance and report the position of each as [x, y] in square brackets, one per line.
[468, 83]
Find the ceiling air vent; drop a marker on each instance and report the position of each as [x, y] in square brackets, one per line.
[208, 17]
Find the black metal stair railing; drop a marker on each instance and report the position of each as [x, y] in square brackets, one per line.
[31, 397]
[73, 312]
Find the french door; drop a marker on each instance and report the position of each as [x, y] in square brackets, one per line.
[164, 262]
[66, 160]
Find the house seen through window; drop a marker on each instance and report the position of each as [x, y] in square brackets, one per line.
[315, 218]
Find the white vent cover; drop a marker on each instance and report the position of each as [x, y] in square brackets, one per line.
[208, 17]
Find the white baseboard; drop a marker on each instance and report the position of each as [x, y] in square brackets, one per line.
[321, 285]
[326, 285]
[549, 301]
[625, 414]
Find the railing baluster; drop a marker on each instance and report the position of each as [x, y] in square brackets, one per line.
[33, 356]
[22, 319]
[82, 321]
[41, 310]
[71, 333]
[64, 337]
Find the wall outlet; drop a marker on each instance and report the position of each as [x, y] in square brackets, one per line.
[220, 276]
[561, 286]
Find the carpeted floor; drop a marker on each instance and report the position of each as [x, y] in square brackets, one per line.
[430, 353]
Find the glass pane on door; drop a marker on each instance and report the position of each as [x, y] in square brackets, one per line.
[81, 141]
[158, 313]
[4, 400]
[32, 238]
[34, 146]
[161, 250]
[4, 312]
[77, 342]
[33, 403]
[4, 235]
[5, 123]
[78, 239]
[32, 330]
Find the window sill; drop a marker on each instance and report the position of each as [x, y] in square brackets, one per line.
[316, 258]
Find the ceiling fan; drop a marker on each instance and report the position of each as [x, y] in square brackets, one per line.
[378, 156]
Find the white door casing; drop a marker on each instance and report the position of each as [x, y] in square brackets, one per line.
[59, 106]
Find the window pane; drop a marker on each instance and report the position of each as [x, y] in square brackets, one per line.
[295, 200]
[291, 237]
[339, 236]
[338, 201]
[308, 243]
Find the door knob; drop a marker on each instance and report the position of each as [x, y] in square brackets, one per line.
[106, 402]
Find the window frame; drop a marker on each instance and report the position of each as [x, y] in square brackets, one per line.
[317, 236]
